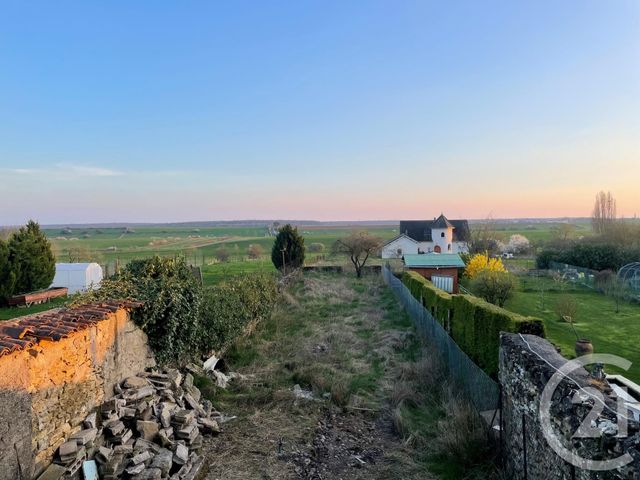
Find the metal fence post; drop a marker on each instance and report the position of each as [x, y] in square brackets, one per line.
[524, 445]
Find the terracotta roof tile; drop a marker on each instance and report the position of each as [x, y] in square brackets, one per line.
[14, 330]
[55, 325]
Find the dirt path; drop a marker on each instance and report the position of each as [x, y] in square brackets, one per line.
[346, 342]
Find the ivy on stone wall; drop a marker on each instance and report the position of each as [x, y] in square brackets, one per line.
[182, 320]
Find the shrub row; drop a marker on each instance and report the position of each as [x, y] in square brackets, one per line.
[182, 320]
[228, 308]
[476, 327]
[474, 324]
[437, 301]
[595, 255]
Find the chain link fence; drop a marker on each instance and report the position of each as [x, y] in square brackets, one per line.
[481, 389]
[571, 273]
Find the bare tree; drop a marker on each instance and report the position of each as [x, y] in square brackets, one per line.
[616, 289]
[222, 254]
[255, 251]
[612, 286]
[564, 232]
[82, 253]
[484, 239]
[359, 246]
[604, 212]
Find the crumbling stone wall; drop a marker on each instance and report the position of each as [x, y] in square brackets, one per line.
[527, 363]
[47, 390]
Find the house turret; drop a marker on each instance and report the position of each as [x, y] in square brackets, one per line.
[442, 235]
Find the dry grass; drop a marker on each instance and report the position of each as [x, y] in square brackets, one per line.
[462, 435]
[404, 393]
[347, 342]
[334, 292]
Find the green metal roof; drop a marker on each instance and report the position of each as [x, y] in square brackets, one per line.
[432, 260]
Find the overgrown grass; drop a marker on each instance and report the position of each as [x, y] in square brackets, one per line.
[348, 341]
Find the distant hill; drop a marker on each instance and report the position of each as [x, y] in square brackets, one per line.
[225, 223]
[309, 223]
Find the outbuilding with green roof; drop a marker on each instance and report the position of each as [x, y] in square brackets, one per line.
[441, 268]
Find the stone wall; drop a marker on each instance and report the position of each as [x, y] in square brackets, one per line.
[47, 388]
[527, 363]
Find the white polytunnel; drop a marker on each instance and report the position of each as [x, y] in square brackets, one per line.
[78, 277]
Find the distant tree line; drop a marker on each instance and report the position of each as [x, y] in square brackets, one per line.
[594, 254]
[616, 242]
[27, 262]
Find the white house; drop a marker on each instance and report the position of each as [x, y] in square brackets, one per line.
[429, 236]
[77, 277]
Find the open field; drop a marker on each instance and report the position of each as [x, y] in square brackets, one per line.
[107, 245]
[217, 272]
[596, 319]
[198, 244]
[138, 241]
[111, 246]
[381, 406]
[538, 232]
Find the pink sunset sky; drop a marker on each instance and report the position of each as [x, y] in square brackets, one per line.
[147, 112]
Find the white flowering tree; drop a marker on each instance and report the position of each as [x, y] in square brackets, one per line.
[517, 244]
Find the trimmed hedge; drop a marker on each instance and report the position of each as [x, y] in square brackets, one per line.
[474, 324]
[437, 301]
[476, 328]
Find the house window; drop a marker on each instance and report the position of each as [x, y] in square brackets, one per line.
[442, 234]
[449, 247]
[399, 251]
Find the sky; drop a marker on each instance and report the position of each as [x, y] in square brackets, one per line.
[161, 111]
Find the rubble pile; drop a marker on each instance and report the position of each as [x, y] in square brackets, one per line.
[151, 429]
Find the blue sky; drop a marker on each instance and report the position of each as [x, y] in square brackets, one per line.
[167, 111]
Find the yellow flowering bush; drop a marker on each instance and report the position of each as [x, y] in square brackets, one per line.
[481, 262]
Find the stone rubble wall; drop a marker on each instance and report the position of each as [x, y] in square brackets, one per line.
[46, 391]
[527, 363]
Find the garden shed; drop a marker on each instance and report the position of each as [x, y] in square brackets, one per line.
[440, 268]
[78, 277]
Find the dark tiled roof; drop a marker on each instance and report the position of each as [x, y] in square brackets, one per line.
[57, 324]
[441, 222]
[420, 230]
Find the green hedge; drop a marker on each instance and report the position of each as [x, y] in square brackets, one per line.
[182, 320]
[229, 307]
[476, 328]
[437, 301]
[475, 324]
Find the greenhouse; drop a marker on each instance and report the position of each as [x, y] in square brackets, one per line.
[630, 275]
[78, 277]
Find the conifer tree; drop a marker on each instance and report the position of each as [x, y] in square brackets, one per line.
[7, 277]
[31, 258]
[288, 248]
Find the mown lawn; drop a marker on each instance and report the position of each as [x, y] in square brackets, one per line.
[596, 319]
[12, 312]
